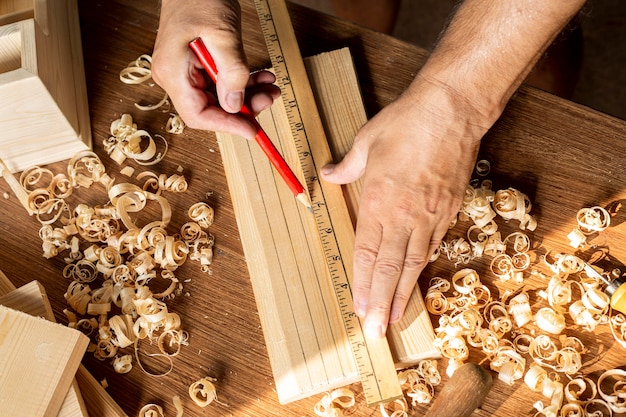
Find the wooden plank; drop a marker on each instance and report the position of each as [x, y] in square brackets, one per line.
[305, 338]
[99, 403]
[30, 299]
[86, 395]
[38, 359]
[411, 339]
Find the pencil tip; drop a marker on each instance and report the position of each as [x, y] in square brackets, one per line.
[304, 199]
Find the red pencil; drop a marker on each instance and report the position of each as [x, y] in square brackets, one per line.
[205, 58]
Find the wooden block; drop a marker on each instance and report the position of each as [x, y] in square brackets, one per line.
[32, 299]
[303, 330]
[38, 361]
[43, 95]
[86, 395]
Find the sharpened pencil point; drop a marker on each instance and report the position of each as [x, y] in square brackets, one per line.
[304, 199]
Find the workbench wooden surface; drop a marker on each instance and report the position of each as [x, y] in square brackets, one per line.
[562, 155]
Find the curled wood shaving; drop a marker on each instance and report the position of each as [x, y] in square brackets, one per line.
[175, 124]
[614, 396]
[137, 72]
[333, 403]
[203, 391]
[519, 308]
[123, 364]
[174, 183]
[202, 214]
[512, 204]
[483, 167]
[576, 389]
[129, 142]
[555, 392]
[151, 410]
[395, 408]
[549, 320]
[168, 360]
[593, 219]
[617, 324]
[418, 383]
[536, 377]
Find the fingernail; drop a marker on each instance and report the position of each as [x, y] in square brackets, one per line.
[395, 315]
[234, 100]
[374, 330]
[328, 169]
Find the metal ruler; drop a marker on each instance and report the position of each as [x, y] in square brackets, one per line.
[372, 356]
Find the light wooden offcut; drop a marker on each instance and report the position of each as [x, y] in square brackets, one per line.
[38, 359]
[85, 396]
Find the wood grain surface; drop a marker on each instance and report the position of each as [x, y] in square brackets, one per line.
[562, 155]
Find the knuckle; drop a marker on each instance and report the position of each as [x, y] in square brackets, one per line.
[364, 256]
[378, 308]
[401, 297]
[415, 262]
[388, 268]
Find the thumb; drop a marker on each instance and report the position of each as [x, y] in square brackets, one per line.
[350, 169]
[232, 78]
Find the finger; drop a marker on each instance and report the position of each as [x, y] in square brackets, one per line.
[417, 254]
[233, 73]
[213, 118]
[419, 251]
[386, 274]
[351, 167]
[366, 244]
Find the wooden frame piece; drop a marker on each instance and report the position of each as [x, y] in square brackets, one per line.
[43, 94]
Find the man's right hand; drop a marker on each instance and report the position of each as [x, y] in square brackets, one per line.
[201, 104]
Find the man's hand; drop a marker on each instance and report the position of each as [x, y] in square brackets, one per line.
[416, 157]
[175, 68]
[417, 154]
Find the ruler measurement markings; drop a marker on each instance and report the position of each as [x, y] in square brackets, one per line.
[331, 247]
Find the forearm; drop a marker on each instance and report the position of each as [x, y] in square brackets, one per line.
[490, 47]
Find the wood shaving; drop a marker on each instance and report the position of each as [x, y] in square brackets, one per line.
[126, 141]
[108, 293]
[178, 405]
[333, 403]
[151, 410]
[123, 364]
[175, 124]
[513, 330]
[138, 72]
[395, 408]
[418, 383]
[203, 392]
